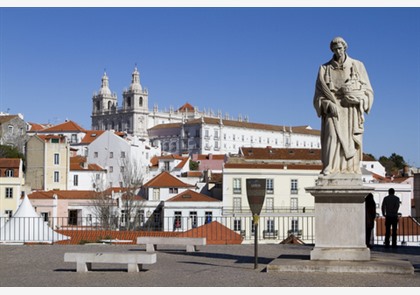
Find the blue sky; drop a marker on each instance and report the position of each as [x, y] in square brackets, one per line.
[250, 61]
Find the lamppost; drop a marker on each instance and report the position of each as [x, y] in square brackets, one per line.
[255, 190]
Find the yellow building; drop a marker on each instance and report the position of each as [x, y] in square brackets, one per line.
[48, 162]
[11, 185]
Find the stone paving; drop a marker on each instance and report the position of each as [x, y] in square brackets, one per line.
[211, 266]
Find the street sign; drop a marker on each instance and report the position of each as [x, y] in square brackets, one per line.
[255, 190]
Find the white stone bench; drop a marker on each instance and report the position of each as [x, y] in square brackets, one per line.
[134, 261]
[152, 242]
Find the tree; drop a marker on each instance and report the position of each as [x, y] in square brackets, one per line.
[131, 202]
[393, 165]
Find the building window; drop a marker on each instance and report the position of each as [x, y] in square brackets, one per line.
[166, 166]
[295, 226]
[122, 154]
[243, 137]
[294, 186]
[294, 204]
[10, 128]
[75, 180]
[216, 134]
[237, 186]
[237, 204]
[9, 173]
[156, 194]
[237, 225]
[8, 213]
[45, 216]
[209, 216]
[56, 159]
[74, 138]
[111, 169]
[55, 140]
[177, 219]
[194, 219]
[56, 176]
[95, 154]
[9, 193]
[173, 190]
[122, 169]
[206, 133]
[269, 204]
[270, 226]
[270, 186]
[111, 155]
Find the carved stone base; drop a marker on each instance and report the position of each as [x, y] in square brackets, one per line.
[340, 218]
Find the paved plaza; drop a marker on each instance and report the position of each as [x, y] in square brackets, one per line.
[210, 266]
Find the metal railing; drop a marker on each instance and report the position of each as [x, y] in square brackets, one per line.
[226, 229]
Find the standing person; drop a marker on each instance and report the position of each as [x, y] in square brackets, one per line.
[390, 206]
[342, 95]
[370, 210]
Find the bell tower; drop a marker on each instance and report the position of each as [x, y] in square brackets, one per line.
[136, 106]
[103, 102]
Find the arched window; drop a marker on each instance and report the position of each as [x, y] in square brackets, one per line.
[109, 105]
[140, 101]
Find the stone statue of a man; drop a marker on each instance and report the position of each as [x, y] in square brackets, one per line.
[342, 95]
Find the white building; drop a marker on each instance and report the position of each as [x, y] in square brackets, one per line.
[120, 156]
[188, 130]
[85, 176]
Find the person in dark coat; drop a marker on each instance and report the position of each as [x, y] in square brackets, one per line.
[370, 210]
[390, 206]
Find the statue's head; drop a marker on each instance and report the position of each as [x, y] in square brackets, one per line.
[338, 40]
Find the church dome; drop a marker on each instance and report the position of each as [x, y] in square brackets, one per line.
[104, 90]
[135, 81]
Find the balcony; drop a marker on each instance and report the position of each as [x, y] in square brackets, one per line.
[270, 234]
[296, 233]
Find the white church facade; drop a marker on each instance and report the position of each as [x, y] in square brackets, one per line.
[188, 130]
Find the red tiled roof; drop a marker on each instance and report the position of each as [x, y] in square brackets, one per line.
[191, 196]
[7, 118]
[68, 126]
[207, 157]
[39, 127]
[182, 163]
[165, 179]
[77, 164]
[289, 166]
[91, 135]
[194, 174]
[214, 232]
[63, 194]
[51, 136]
[9, 162]
[281, 153]
[186, 108]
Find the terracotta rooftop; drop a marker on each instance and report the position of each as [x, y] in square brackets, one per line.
[289, 166]
[68, 126]
[191, 196]
[165, 179]
[78, 163]
[9, 162]
[91, 135]
[7, 118]
[269, 153]
[186, 108]
[63, 194]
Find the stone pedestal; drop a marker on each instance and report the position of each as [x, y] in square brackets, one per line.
[340, 218]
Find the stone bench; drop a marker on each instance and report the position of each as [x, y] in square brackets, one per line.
[134, 261]
[152, 242]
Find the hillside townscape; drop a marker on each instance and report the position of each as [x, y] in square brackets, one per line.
[171, 171]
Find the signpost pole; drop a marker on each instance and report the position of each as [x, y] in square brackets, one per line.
[255, 190]
[256, 219]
